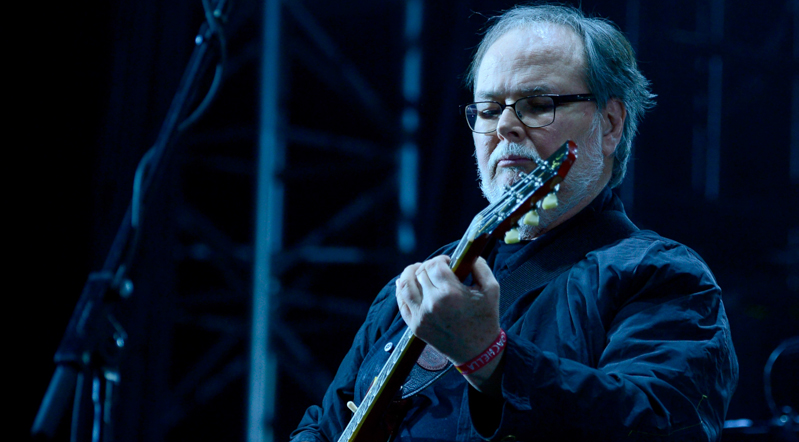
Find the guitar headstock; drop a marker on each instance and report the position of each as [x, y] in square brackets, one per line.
[519, 204]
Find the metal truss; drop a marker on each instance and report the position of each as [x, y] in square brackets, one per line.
[336, 195]
[724, 37]
[279, 226]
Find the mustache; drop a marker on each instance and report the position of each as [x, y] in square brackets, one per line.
[511, 150]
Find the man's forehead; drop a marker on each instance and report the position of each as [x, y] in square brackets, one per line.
[539, 46]
[522, 90]
[548, 32]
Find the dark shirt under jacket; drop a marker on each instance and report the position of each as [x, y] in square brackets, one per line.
[631, 343]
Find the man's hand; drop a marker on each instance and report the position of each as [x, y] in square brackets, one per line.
[460, 321]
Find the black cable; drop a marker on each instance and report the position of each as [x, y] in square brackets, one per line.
[790, 344]
[213, 17]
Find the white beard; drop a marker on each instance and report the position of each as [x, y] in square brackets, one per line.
[492, 190]
[580, 183]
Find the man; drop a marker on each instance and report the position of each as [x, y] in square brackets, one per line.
[628, 340]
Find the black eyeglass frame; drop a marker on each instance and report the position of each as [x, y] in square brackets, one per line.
[556, 101]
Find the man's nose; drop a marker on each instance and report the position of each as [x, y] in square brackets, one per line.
[509, 125]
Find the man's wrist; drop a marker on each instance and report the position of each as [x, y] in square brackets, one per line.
[486, 376]
[488, 380]
[483, 359]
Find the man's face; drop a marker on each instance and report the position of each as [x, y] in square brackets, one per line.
[544, 59]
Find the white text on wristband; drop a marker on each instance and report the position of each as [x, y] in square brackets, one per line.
[485, 357]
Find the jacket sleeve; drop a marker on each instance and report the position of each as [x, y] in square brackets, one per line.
[631, 343]
[327, 422]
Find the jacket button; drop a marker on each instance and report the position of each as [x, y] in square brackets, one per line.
[388, 347]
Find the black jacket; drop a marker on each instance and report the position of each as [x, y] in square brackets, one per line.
[631, 343]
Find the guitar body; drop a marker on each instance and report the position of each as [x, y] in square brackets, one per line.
[380, 426]
[384, 428]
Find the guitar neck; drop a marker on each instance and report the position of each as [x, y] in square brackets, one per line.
[366, 420]
[399, 364]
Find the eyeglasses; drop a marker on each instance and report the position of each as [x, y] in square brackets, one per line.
[533, 111]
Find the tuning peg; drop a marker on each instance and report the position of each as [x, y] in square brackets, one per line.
[550, 201]
[512, 236]
[530, 218]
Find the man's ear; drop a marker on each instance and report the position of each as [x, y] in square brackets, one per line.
[613, 117]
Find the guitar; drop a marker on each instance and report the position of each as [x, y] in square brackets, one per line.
[519, 204]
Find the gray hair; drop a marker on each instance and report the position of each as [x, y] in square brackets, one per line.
[611, 68]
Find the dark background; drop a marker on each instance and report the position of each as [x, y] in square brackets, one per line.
[91, 86]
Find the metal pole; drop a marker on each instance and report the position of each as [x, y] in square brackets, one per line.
[408, 160]
[268, 234]
[714, 108]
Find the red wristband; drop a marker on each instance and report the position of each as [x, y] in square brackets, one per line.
[485, 357]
